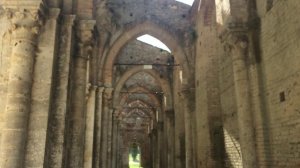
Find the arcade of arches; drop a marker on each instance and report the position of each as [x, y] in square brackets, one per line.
[78, 90]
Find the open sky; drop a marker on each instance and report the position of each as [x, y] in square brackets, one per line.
[153, 41]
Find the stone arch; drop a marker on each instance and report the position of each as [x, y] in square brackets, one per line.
[163, 83]
[151, 113]
[146, 27]
[141, 89]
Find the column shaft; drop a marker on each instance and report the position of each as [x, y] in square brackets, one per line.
[109, 138]
[98, 127]
[17, 110]
[40, 106]
[189, 132]
[77, 114]
[61, 98]
[170, 138]
[84, 34]
[106, 117]
[114, 142]
[89, 129]
[242, 92]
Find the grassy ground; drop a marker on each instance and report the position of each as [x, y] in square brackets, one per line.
[133, 164]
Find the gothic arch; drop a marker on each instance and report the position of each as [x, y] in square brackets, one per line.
[146, 27]
[163, 83]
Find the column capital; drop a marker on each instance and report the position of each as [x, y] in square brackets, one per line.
[69, 19]
[25, 22]
[84, 31]
[85, 35]
[22, 4]
[101, 89]
[108, 92]
[236, 35]
[53, 13]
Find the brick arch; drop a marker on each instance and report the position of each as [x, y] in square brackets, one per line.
[163, 83]
[146, 27]
[141, 89]
[148, 112]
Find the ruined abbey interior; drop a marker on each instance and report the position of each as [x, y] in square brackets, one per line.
[79, 89]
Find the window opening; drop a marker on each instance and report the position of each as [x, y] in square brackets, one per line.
[134, 156]
[187, 2]
[153, 41]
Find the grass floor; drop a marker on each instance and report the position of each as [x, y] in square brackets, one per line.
[133, 164]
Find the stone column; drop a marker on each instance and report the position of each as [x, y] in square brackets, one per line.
[84, 34]
[154, 147]
[115, 141]
[106, 117]
[109, 137]
[170, 137]
[41, 92]
[160, 145]
[188, 110]
[238, 42]
[60, 105]
[89, 128]
[98, 126]
[24, 42]
[179, 133]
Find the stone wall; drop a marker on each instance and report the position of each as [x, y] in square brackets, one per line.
[280, 71]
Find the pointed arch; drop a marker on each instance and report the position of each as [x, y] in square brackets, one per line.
[146, 27]
[164, 84]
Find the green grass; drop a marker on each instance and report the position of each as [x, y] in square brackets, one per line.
[133, 164]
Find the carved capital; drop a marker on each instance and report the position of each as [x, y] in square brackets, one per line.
[108, 92]
[25, 23]
[68, 20]
[53, 13]
[84, 33]
[236, 35]
[85, 30]
[100, 89]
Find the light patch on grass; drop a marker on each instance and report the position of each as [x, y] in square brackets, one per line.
[133, 164]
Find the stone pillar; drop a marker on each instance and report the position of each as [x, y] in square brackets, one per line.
[188, 110]
[41, 92]
[89, 128]
[98, 127]
[109, 137]
[160, 145]
[84, 34]
[154, 147]
[238, 42]
[60, 106]
[115, 141]
[24, 41]
[179, 133]
[169, 119]
[106, 117]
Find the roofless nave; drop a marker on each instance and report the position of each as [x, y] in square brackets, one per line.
[78, 89]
